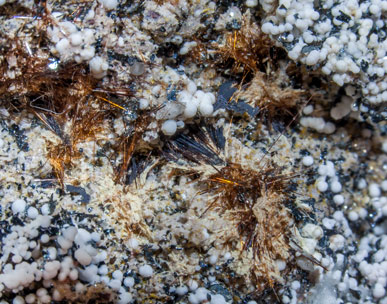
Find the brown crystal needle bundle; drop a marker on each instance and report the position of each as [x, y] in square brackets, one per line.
[64, 97]
[253, 198]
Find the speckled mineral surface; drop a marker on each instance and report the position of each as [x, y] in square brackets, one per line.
[193, 151]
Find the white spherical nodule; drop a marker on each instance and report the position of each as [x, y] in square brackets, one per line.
[133, 243]
[251, 3]
[322, 186]
[190, 110]
[312, 231]
[143, 104]
[18, 300]
[30, 298]
[308, 110]
[98, 67]
[206, 108]
[266, 27]
[191, 87]
[211, 97]
[338, 199]
[70, 233]
[328, 223]
[32, 212]
[129, 282]
[169, 127]
[76, 38]
[18, 206]
[193, 285]
[213, 259]
[336, 187]
[384, 145]
[312, 58]
[378, 291]
[114, 284]
[118, 275]
[145, 271]
[384, 185]
[109, 4]
[181, 290]
[63, 46]
[125, 297]
[374, 190]
[341, 66]
[307, 160]
[82, 257]
[353, 216]
[281, 264]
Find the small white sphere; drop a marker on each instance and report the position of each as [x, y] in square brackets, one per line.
[251, 3]
[295, 285]
[82, 257]
[191, 87]
[322, 170]
[109, 4]
[336, 187]
[193, 285]
[133, 243]
[16, 259]
[63, 46]
[115, 284]
[18, 300]
[374, 190]
[384, 144]
[18, 206]
[70, 233]
[143, 103]
[211, 97]
[307, 160]
[312, 58]
[266, 27]
[32, 212]
[44, 238]
[213, 259]
[103, 270]
[30, 298]
[45, 209]
[308, 110]
[328, 223]
[361, 184]
[384, 185]
[76, 38]
[146, 271]
[180, 124]
[118, 275]
[338, 199]
[129, 282]
[190, 110]
[281, 264]
[169, 127]
[353, 216]
[322, 186]
[374, 9]
[341, 66]
[181, 290]
[378, 291]
[206, 108]
[98, 67]
[125, 297]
